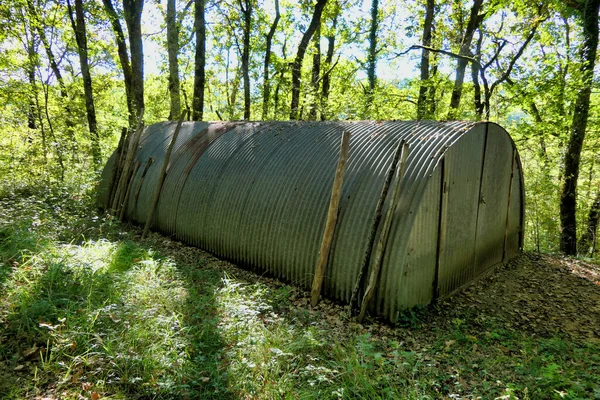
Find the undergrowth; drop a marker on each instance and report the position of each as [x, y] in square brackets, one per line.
[89, 310]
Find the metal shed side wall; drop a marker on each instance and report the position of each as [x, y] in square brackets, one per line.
[493, 203]
[463, 163]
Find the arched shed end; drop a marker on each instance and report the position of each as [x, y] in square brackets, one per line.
[257, 193]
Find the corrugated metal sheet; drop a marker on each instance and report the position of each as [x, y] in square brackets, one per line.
[257, 193]
[463, 178]
[493, 199]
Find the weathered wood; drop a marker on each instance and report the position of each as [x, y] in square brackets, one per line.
[112, 184]
[383, 236]
[332, 214]
[126, 199]
[161, 176]
[139, 186]
[375, 224]
[131, 149]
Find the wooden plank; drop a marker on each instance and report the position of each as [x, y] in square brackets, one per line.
[126, 199]
[163, 172]
[383, 236]
[332, 214]
[133, 145]
[375, 223]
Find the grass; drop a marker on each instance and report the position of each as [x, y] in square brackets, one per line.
[89, 310]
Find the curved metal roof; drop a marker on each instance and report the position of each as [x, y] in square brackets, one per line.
[257, 193]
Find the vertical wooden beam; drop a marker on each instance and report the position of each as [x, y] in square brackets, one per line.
[126, 198]
[512, 174]
[383, 236]
[375, 223]
[161, 176]
[442, 223]
[130, 154]
[332, 214]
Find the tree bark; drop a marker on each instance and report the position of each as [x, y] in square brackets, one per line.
[326, 86]
[297, 65]
[78, 24]
[30, 67]
[246, 7]
[37, 22]
[372, 56]
[266, 79]
[133, 18]
[461, 63]
[568, 200]
[423, 88]
[475, 69]
[173, 50]
[587, 243]
[200, 61]
[316, 75]
[123, 57]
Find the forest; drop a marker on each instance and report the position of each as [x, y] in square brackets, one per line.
[91, 308]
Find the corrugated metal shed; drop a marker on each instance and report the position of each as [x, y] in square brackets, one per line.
[257, 193]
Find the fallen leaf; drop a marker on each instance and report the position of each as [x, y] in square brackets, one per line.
[19, 367]
[95, 396]
[30, 352]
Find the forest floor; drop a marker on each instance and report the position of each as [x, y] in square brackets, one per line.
[89, 310]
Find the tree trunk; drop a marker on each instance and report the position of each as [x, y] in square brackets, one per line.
[587, 243]
[123, 57]
[427, 29]
[372, 56]
[78, 24]
[568, 200]
[297, 65]
[69, 121]
[327, 74]
[316, 75]
[30, 67]
[475, 76]
[246, 7]
[173, 50]
[200, 61]
[266, 79]
[461, 63]
[133, 18]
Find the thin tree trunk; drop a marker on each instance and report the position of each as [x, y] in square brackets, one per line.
[316, 74]
[297, 65]
[78, 24]
[461, 63]
[327, 74]
[475, 76]
[123, 57]
[266, 79]
[69, 121]
[587, 243]
[372, 57]
[431, 101]
[424, 84]
[133, 18]
[246, 7]
[568, 200]
[30, 67]
[200, 61]
[173, 50]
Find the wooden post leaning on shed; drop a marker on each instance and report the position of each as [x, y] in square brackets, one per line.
[383, 236]
[134, 142]
[116, 171]
[375, 223]
[163, 172]
[129, 185]
[332, 214]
